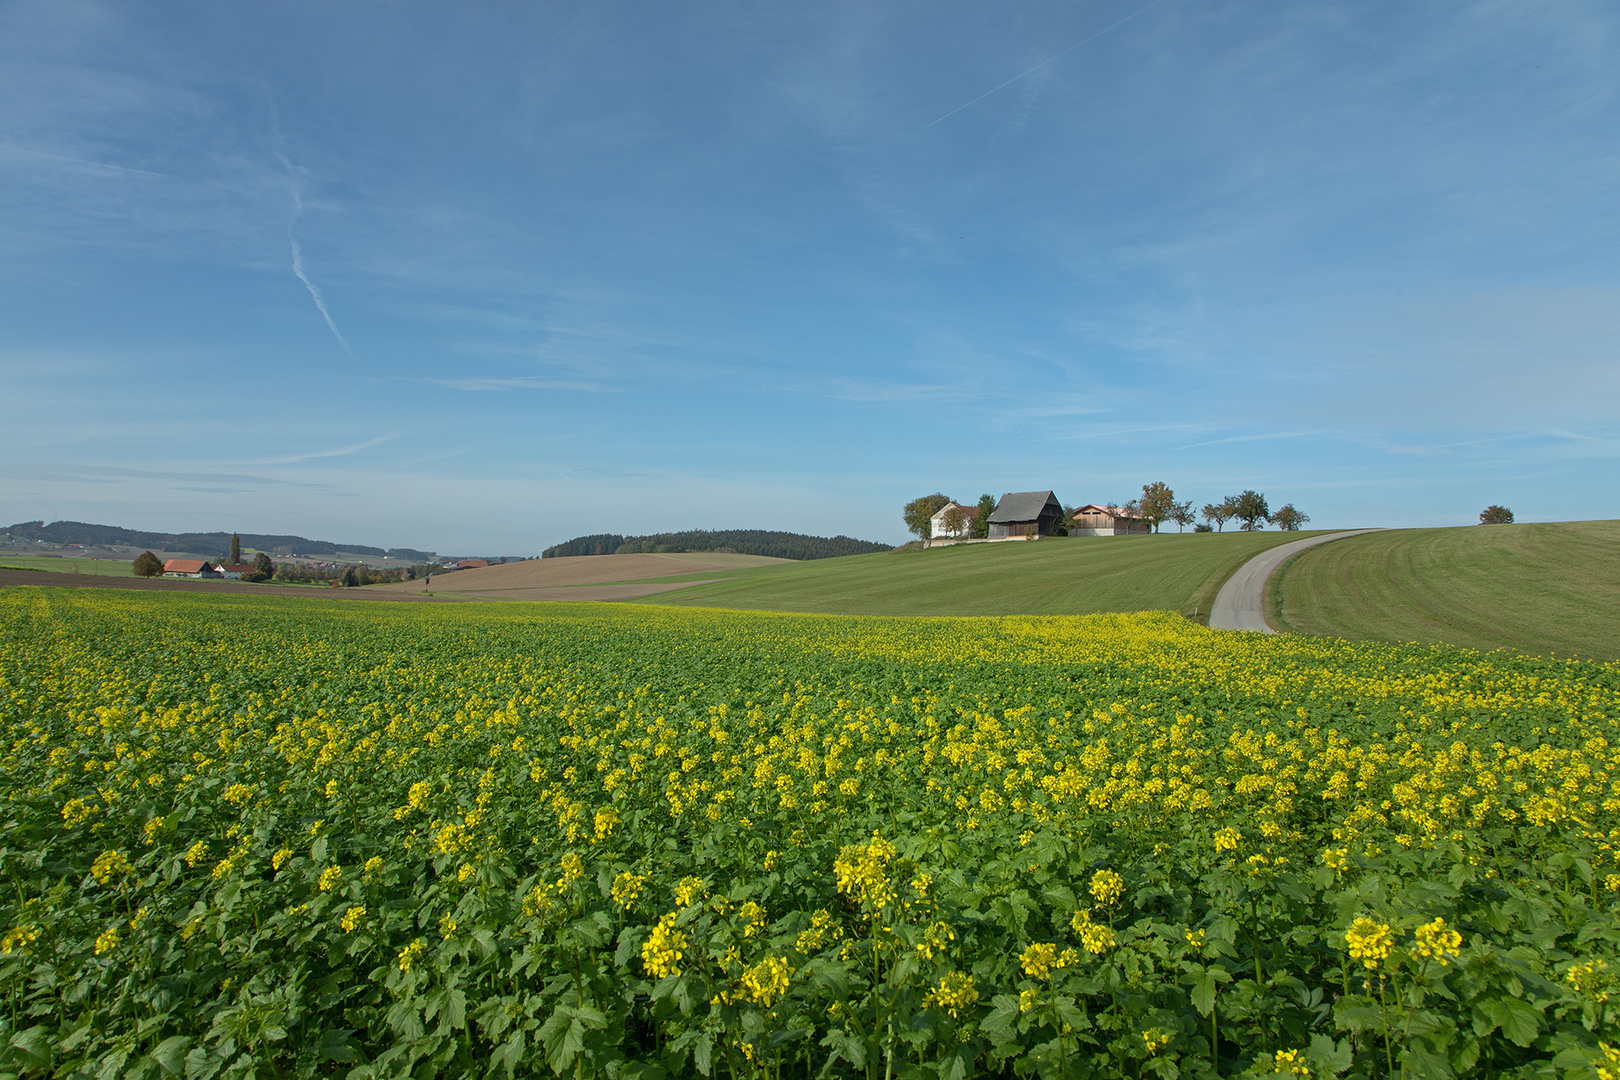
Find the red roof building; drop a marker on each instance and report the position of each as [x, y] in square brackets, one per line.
[190, 568]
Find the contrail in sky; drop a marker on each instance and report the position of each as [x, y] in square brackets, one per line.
[1043, 63]
[315, 293]
[293, 174]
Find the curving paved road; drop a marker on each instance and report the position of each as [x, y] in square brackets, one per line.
[1241, 603]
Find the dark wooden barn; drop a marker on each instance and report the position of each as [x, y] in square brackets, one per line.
[1025, 513]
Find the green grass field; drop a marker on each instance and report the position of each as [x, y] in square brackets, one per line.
[1057, 576]
[100, 567]
[1541, 588]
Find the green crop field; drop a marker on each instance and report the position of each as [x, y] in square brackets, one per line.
[261, 836]
[101, 567]
[1537, 588]
[1056, 576]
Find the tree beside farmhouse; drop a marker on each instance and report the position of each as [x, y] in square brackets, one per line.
[1157, 504]
[918, 513]
[981, 520]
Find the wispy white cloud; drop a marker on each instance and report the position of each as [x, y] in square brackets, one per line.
[1058, 407]
[342, 451]
[1054, 57]
[1257, 437]
[114, 475]
[519, 382]
[856, 390]
[65, 161]
[1574, 444]
[1115, 431]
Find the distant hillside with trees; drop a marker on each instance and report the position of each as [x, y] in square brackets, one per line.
[210, 544]
[779, 545]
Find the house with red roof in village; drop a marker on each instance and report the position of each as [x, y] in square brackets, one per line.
[190, 568]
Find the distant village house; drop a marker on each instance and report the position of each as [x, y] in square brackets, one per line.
[1025, 514]
[190, 568]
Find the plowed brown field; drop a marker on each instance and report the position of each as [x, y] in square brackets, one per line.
[561, 579]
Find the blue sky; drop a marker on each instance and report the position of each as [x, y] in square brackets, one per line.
[479, 278]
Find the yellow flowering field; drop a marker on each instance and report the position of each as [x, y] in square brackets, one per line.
[262, 837]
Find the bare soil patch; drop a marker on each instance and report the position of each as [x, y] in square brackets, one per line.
[579, 593]
[577, 570]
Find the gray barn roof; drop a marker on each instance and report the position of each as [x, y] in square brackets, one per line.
[1023, 506]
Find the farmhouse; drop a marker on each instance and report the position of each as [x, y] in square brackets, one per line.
[938, 527]
[1025, 514]
[1094, 520]
[190, 568]
[234, 571]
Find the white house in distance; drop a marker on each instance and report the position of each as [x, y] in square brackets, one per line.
[939, 530]
[1094, 520]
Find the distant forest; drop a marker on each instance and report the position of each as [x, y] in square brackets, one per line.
[780, 545]
[209, 545]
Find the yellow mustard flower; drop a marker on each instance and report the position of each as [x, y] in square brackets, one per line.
[1436, 941]
[1107, 887]
[766, 981]
[665, 947]
[955, 993]
[1369, 942]
[410, 954]
[110, 865]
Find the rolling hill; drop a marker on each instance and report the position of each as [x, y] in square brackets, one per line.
[213, 545]
[776, 545]
[1537, 588]
[1054, 576]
